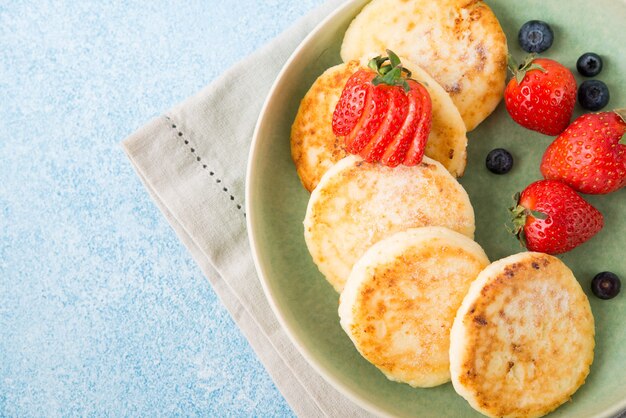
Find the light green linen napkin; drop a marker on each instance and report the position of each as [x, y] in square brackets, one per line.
[193, 161]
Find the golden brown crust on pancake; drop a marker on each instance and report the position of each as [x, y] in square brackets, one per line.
[314, 147]
[401, 299]
[522, 342]
[459, 42]
[357, 204]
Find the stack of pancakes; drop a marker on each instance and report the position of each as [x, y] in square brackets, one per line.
[455, 48]
[419, 298]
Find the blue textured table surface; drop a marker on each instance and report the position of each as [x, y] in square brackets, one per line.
[102, 310]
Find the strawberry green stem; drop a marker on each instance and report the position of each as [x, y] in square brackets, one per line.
[392, 74]
[519, 71]
[519, 216]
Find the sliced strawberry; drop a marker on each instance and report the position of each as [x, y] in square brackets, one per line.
[396, 151]
[415, 154]
[383, 114]
[371, 120]
[398, 110]
[352, 102]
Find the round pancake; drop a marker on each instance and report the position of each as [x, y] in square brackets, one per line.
[401, 297]
[458, 42]
[314, 147]
[522, 341]
[356, 204]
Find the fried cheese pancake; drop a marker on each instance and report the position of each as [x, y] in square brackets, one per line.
[522, 341]
[400, 300]
[458, 42]
[314, 147]
[356, 204]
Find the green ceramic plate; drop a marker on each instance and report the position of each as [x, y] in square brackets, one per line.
[307, 306]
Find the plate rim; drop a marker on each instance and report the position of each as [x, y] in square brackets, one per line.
[251, 216]
[254, 242]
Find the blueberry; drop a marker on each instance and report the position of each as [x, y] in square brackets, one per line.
[589, 64]
[593, 95]
[499, 161]
[606, 285]
[535, 36]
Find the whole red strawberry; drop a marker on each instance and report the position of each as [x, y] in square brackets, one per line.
[587, 155]
[541, 95]
[383, 115]
[550, 217]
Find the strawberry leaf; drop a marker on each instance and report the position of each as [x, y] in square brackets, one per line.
[391, 73]
[519, 71]
[519, 216]
[392, 76]
[537, 215]
[518, 221]
[376, 62]
[378, 80]
[393, 58]
[512, 64]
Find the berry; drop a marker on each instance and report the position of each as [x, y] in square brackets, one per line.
[593, 95]
[550, 217]
[588, 155]
[352, 102]
[535, 36]
[384, 115]
[606, 285]
[380, 140]
[589, 64]
[410, 142]
[499, 161]
[370, 121]
[541, 96]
